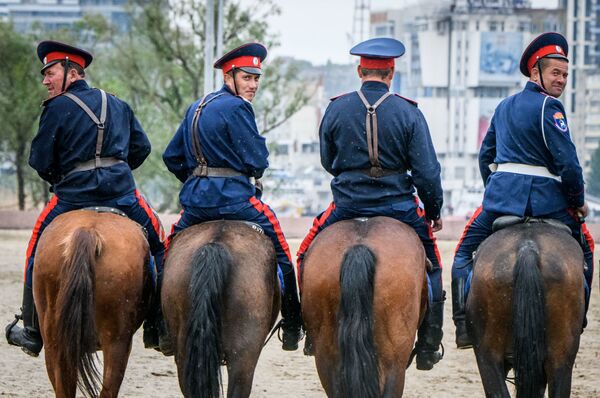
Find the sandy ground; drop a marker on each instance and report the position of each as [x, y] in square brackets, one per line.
[279, 373]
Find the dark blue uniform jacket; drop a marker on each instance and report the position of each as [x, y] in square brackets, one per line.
[67, 136]
[530, 127]
[404, 144]
[229, 138]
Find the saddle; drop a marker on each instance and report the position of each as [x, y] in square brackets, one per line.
[506, 221]
[112, 210]
[254, 226]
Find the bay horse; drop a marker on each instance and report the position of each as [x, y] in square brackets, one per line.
[364, 295]
[220, 298]
[91, 286]
[525, 309]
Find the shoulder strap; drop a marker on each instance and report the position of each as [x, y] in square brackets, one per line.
[197, 146]
[371, 129]
[100, 123]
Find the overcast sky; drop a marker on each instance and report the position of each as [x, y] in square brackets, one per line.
[322, 35]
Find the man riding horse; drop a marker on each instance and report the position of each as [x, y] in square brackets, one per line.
[529, 166]
[218, 153]
[370, 140]
[86, 146]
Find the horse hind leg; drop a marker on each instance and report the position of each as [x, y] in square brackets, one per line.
[116, 355]
[240, 377]
[492, 374]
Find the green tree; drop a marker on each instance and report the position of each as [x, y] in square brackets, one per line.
[594, 179]
[20, 97]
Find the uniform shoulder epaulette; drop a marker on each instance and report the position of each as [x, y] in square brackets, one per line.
[410, 101]
[337, 96]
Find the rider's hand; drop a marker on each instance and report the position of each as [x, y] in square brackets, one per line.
[582, 211]
[436, 225]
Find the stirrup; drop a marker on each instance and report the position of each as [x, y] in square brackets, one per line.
[11, 325]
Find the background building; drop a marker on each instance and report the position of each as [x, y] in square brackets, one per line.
[57, 14]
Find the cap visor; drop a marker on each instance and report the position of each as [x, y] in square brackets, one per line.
[49, 64]
[253, 71]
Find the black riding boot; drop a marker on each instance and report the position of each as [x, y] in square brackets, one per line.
[430, 337]
[291, 314]
[155, 331]
[463, 340]
[28, 337]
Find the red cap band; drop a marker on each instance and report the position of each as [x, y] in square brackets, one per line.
[376, 63]
[240, 62]
[57, 55]
[543, 52]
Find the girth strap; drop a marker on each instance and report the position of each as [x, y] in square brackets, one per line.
[203, 170]
[372, 133]
[98, 161]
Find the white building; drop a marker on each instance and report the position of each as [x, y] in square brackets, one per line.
[462, 58]
[58, 14]
[583, 107]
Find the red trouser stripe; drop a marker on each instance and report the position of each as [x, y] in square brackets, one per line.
[421, 213]
[266, 210]
[168, 241]
[588, 236]
[36, 229]
[155, 222]
[590, 241]
[473, 217]
[317, 223]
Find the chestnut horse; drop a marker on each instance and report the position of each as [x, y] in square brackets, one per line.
[91, 285]
[220, 298]
[364, 295]
[525, 309]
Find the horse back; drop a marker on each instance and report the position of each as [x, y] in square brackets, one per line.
[252, 290]
[490, 300]
[399, 289]
[120, 270]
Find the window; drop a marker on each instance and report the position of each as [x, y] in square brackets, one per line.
[282, 149]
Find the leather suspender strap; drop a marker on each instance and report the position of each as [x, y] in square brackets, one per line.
[202, 170]
[98, 161]
[372, 133]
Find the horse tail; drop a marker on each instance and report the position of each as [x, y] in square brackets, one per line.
[76, 328]
[529, 336]
[359, 370]
[211, 266]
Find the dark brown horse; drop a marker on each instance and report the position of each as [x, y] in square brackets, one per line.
[220, 299]
[364, 294]
[525, 309]
[91, 284]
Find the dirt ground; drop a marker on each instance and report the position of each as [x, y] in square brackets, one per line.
[279, 373]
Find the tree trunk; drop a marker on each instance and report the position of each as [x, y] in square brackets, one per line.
[20, 166]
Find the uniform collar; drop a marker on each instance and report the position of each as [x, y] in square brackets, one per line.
[374, 86]
[78, 85]
[226, 89]
[531, 86]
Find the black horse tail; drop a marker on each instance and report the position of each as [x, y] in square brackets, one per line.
[359, 370]
[211, 265]
[76, 328]
[529, 335]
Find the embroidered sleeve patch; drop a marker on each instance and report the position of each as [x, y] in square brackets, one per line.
[560, 122]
